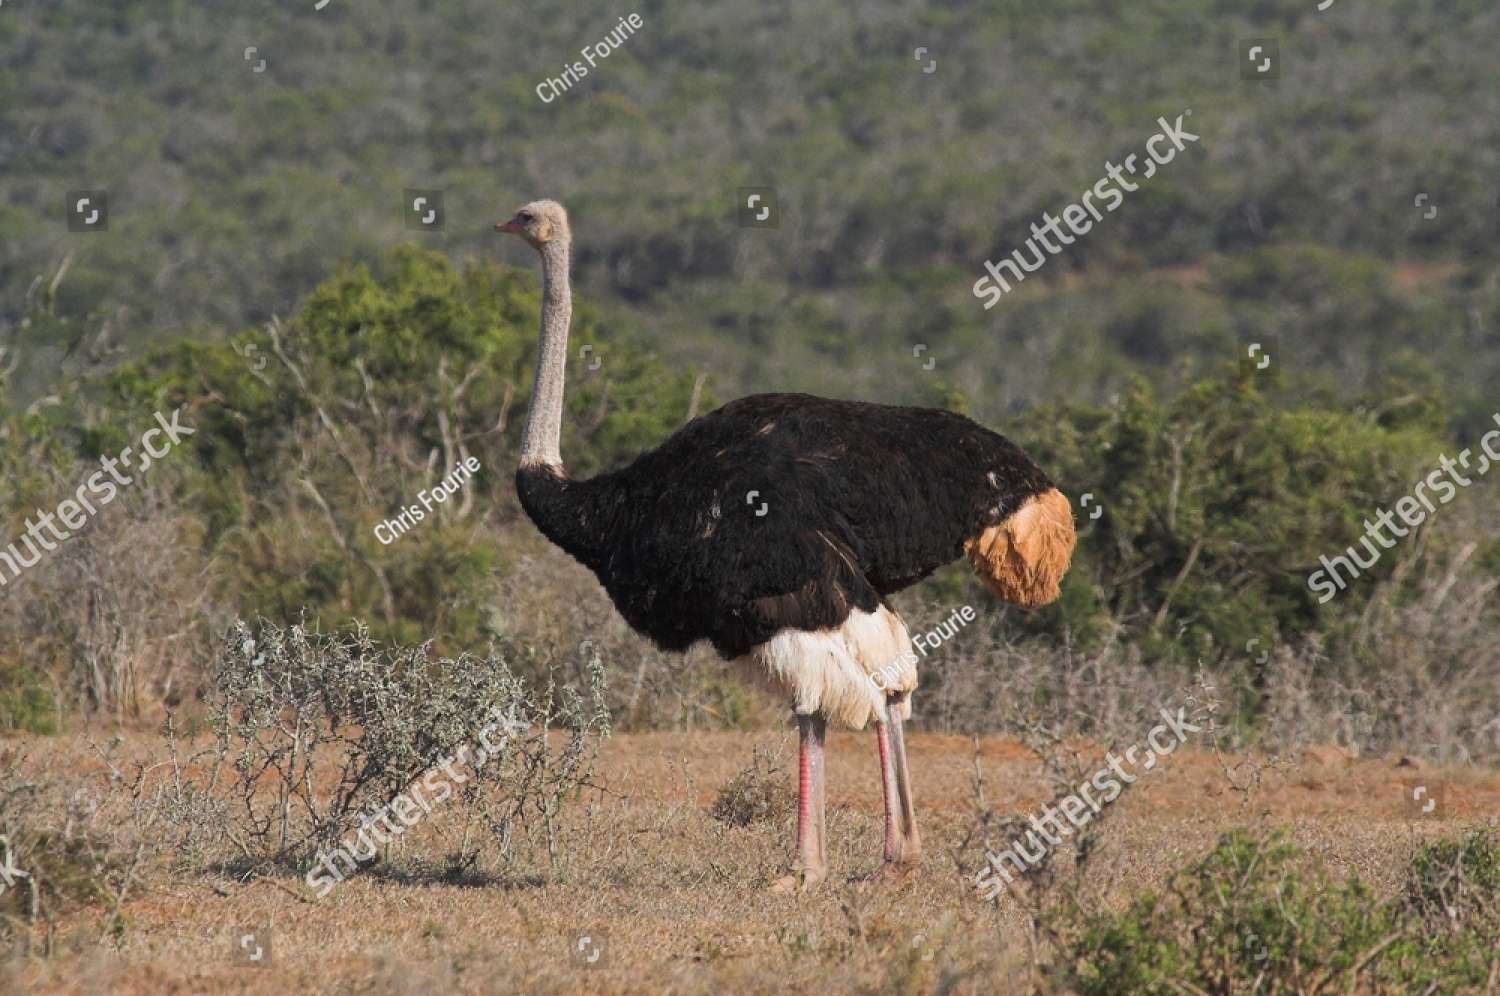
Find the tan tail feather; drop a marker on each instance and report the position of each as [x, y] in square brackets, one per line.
[1024, 558]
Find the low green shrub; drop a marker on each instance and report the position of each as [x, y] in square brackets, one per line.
[1257, 916]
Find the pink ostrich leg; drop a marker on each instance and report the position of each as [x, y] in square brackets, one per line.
[903, 844]
[812, 857]
[811, 777]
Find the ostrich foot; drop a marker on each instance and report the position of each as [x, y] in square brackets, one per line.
[889, 873]
[798, 882]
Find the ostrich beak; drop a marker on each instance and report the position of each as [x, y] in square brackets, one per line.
[507, 226]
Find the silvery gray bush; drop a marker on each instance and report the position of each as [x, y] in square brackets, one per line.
[319, 730]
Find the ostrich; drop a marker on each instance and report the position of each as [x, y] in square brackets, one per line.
[776, 527]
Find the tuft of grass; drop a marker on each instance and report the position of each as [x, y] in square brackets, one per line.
[756, 794]
[26, 705]
[56, 863]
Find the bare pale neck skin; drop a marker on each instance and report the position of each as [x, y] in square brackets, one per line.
[541, 438]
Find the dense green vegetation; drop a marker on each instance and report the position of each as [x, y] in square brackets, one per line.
[1258, 915]
[1218, 505]
[1216, 502]
[374, 392]
[1292, 221]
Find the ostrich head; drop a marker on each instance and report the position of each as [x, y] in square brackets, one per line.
[539, 223]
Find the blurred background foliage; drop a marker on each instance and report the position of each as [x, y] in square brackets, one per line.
[248, 276]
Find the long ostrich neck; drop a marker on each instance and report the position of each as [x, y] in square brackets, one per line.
[542, 438]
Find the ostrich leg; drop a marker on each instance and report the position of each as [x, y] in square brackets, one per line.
[903, 845]
[812, 859]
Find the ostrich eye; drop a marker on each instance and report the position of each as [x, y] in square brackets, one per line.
[525, 216]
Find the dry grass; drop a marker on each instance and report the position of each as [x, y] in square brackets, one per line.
[681, 897]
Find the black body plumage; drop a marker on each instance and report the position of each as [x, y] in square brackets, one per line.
[856, 501]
